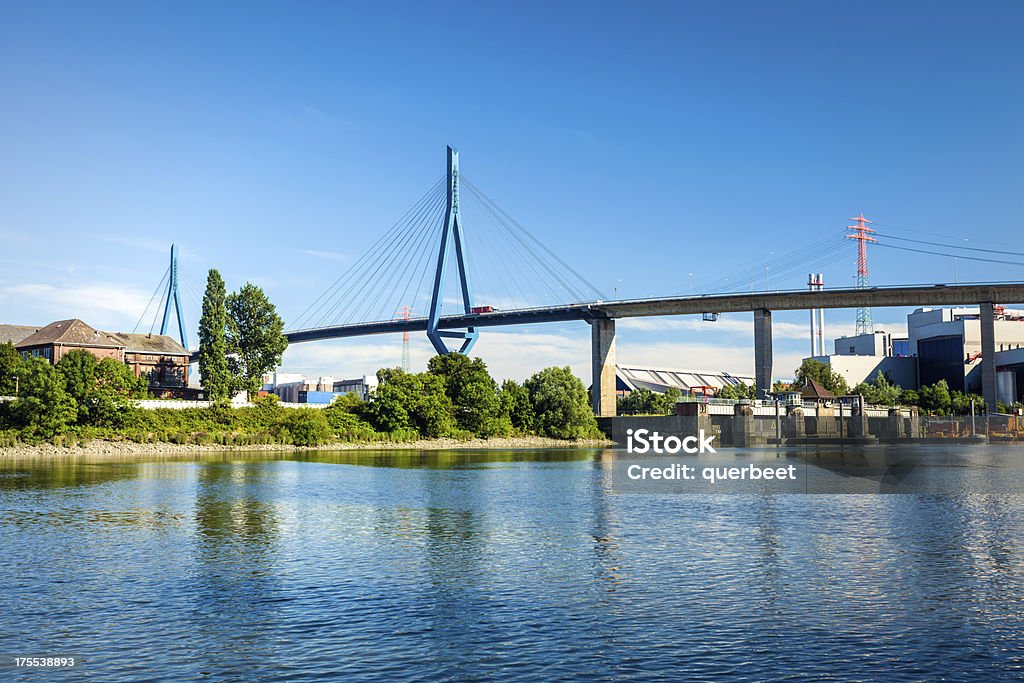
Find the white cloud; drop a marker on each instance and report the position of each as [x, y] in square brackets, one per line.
[151, 245]
[733, 326]
[520, 354]
[105, 306]
[740, 326]
[326, 255]
[507, 354]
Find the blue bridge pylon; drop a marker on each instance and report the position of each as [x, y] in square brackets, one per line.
[175, 296]
[451, 232]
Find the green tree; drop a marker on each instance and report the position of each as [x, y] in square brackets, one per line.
[44, 407]
[102, 389]
[516, 405]
[345, 416]
[10, 369]
[935, 398]
[213, 349]
[909, 397]
[824, 375]
[665, 404]
[960, 403]
[643, 401]
[737, 391]
[78, 368]
[411, 402]
[879, 391]
[116, 386]
[560, 404]
[255, 337]
[473, 393]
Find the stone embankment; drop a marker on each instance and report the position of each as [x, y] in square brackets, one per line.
[126, 448]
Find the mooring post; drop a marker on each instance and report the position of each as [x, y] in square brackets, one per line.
[778, 423]
[840, 420]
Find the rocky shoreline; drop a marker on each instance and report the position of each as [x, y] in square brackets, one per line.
[127, 448]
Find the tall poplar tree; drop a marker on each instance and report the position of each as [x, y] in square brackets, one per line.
[213, 348]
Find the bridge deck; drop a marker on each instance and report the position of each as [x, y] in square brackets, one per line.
[880, 297]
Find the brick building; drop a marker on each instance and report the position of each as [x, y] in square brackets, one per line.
[158, 358]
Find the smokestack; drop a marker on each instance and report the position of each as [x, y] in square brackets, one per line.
[821, 316]
[814, 344]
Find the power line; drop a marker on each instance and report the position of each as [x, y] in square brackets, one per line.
[957, 256]
[943, 235]
[952, 246]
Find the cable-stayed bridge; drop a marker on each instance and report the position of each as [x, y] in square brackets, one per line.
[465, 265]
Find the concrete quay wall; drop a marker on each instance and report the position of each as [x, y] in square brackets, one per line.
[751, 430]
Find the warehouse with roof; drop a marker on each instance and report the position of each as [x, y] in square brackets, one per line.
[159, 358]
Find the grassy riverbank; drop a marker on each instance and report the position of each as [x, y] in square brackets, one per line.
[103, 447]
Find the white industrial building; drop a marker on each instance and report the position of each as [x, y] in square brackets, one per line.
[295, 388]
[947, 344]
[861, 357]
[941, 343]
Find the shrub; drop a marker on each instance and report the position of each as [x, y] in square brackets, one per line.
[306, 427]
[560, 404]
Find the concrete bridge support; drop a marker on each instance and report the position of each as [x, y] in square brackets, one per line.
[988, 356]
[763, 351]
[602, 360]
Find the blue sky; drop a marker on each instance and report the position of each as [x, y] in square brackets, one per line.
[277, 141]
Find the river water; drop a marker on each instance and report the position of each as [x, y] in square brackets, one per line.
[427, 566]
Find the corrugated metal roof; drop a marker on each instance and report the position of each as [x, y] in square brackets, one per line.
[661, 379]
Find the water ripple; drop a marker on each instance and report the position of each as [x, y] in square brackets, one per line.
[524, 568]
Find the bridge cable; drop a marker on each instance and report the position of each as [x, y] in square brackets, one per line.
[784, 260]
[302, 317]
[395, 255]
[159, 288]
[522, 254]
[369, 284]
[497, 214]
[422, 266]
[536, 241]
[777, 271]
[409, 255]
[366, 285]
[357, 278]
[780, 265]
[495, 263]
